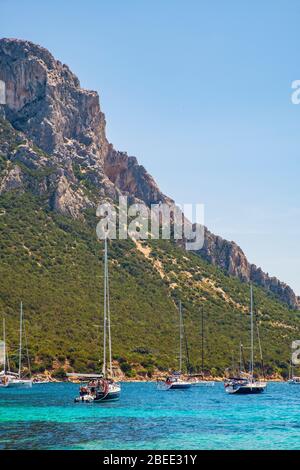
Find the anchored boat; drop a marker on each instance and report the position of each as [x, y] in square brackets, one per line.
[174, 382]
[99, 390]
[102, 387]
[245, 384]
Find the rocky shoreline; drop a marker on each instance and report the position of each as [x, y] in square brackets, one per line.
[47, 378]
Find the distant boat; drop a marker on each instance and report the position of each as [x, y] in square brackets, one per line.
[40, 382]
[10, 379]
[294, 381]
[102, 387]
[245, 384]
[174, 381]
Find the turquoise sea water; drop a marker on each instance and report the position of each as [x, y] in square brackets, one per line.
[46, 417]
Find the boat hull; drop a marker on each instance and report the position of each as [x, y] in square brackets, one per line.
[179, 386]
[13, 382]
[111, 396]
[99, 396]
[245, 389]
[19, 384]
[203, 383]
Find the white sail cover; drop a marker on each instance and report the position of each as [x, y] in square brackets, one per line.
[2, 352]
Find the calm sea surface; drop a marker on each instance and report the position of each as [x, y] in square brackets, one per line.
[46, 417]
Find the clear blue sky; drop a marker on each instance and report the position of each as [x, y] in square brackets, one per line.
[200, 92]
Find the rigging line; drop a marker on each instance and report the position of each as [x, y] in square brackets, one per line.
[6, 358]
[291, 371]
[232, 362]
[260, 348]
[252, 335]
[7, 361]
[99, 278]
[188, 364]
[242, 360]
[180, 337]
[259, 341]
[104, 313]
[4, 346]
[20, 340]
[202, 340]
[27, 351]
[108, 318]
[243, 357]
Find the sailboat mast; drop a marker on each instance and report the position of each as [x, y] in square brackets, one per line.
[180, 337]
[104, 310]
[4, 346]
[202, 340]
[292, 365]
[252, 333]
[241, 358]
[20, 343]
[108, 316]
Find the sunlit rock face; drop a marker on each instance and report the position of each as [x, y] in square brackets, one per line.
[44, 101]
[231, 258]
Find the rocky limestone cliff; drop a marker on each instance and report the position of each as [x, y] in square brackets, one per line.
[230, 257]
[52, 134]
[45, 102]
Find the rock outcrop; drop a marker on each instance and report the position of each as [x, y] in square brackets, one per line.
[45, 102]
[53, 143]
[231, 258]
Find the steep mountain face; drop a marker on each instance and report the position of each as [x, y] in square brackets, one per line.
[57, 149]
[45, 102]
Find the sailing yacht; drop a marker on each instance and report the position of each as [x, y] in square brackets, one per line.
[175, 382]
[102, 387]
[10, 379]
[246, 384]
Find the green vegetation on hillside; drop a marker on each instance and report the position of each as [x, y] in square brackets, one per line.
[54, 265]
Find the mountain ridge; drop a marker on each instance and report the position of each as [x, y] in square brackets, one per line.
[78, 167]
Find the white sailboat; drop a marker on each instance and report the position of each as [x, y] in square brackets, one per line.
[246, 384]
[103, 388]
[11, 379]
[175, 382]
